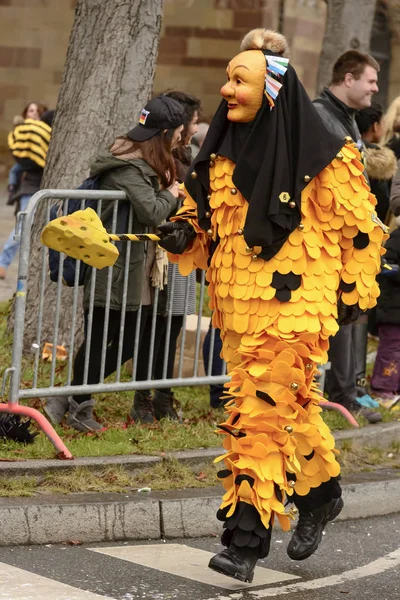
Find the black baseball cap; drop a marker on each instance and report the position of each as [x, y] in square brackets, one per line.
[159, 113]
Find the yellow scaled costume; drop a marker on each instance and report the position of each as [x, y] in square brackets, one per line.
[276, 317]
[273, 348]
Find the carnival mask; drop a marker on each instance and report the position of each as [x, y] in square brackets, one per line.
[245, 86]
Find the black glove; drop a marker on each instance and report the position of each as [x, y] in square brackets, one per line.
[176, 236]
[348, 314]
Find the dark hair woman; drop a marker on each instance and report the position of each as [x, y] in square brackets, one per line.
[192, 107]
[33, 110]
[140, 164]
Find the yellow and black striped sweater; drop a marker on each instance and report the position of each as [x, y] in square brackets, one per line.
[30, 141]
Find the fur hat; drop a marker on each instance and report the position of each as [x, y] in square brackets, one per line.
[265, 39]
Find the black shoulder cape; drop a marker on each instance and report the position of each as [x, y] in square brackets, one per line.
[277, 152]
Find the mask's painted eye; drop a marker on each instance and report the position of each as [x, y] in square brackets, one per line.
[238, 81]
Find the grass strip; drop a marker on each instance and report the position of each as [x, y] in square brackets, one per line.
[120, 437]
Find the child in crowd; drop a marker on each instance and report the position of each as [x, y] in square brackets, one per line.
[385, 380]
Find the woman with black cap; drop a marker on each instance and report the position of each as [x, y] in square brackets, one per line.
[139, 163]
[280, 212]
[179, 291]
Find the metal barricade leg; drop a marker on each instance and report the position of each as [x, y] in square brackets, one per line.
[50, 389]
[333, 405]
[340, 408]
[13, 406]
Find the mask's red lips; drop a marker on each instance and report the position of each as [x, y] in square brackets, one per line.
[232, 106]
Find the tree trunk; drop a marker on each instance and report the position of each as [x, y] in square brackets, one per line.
[348, 27]
[107, 79]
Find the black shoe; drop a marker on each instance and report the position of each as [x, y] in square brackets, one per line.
[163, 406]
[13, 428]
[235, 562]
[308, 533]
[142, 409]
[357, 409]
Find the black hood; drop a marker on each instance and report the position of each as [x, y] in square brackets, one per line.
[274, 154]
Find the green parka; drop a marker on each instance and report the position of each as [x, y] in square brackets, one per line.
[151, 206]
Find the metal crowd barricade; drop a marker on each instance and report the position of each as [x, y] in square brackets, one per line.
[47, 387]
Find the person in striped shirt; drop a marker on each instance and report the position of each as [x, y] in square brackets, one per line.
[29, 143]
[33, 110]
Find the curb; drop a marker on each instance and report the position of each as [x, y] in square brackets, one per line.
[38, 467]
[106, 517]
[381, 435]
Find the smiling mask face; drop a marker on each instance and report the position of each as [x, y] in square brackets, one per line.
[245, 86]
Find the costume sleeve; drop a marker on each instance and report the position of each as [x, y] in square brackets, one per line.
[361, 231]
[196, 255]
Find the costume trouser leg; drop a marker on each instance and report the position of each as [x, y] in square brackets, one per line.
[340, 383]
[317, 497]
[276, 442]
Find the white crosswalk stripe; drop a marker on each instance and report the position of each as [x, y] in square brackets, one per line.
[18, 584]
[190, 563]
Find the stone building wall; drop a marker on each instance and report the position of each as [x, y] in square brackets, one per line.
[33, 42]
[198, 39]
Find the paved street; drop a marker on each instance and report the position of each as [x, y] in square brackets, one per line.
[357, 559]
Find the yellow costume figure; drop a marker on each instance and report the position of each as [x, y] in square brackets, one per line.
[276, 303]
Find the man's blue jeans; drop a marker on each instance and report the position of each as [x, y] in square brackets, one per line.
[11, 246]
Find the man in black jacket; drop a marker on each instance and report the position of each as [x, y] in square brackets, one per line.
[354, 82]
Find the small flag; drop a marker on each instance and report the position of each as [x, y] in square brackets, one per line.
[143, 116]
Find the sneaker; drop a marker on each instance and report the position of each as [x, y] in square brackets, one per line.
[372, 416]
[387, 399]
[367, 401]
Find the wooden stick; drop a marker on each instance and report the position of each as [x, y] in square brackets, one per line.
[82, 236]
